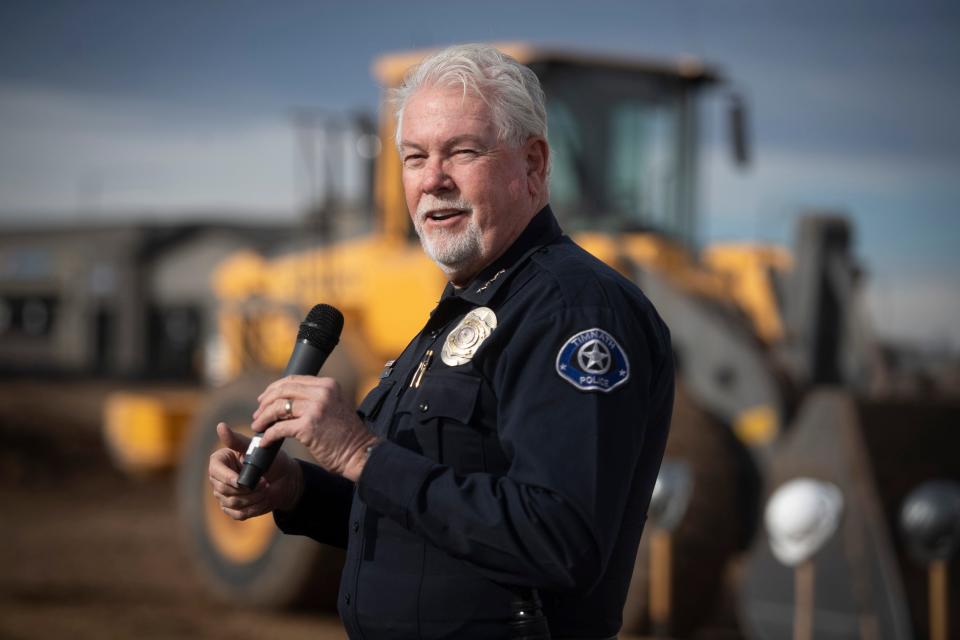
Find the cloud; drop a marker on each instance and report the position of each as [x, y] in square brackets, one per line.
[782, 178]
[63, 152]
[902, 211]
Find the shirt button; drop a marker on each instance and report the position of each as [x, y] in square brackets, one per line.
[356, 526]
[424, 407]
[434, 334]
[346, 598]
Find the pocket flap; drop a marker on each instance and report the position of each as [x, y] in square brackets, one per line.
[370, 406]
[447, 396]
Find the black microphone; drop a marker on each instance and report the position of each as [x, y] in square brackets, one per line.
[318, 335]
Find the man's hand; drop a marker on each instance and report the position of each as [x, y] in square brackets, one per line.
[279, 488]
[319, 418]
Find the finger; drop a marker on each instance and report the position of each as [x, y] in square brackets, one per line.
[280, 390]
[222, 476]
[231, 439]
[246, 503]
[305, 381]
[295, 387]
[273, 405]
[237, 514]
[281, 430]
[275, 412]
[281, 387]
[243, 507]
[224, 465]
[227, 488]
[227, 483]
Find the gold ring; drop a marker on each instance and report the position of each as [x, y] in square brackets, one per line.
[287, 409]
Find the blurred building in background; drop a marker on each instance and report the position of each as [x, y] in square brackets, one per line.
[125, 299]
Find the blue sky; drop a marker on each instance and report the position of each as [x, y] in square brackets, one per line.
[166, 107]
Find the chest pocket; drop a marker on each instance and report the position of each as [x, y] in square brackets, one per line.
[444, 422]
[372, 404]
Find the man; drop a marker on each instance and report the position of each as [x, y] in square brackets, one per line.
[506, 459]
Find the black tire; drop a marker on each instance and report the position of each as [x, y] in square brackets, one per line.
[719, 522]
[271, 570]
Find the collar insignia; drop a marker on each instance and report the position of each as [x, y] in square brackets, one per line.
[488, 282]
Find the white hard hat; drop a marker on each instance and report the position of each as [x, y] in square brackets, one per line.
[801, 516]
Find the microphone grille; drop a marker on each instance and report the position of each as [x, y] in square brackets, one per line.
[322, 326]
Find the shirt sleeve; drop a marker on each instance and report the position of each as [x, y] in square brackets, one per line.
[323, 510]
[553, 520]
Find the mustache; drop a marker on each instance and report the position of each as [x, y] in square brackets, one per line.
[430, 203]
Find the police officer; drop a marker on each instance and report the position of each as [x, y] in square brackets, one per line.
[495, 483]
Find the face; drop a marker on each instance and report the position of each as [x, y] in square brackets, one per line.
[469, 195]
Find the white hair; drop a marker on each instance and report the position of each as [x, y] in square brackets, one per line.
[511, 89]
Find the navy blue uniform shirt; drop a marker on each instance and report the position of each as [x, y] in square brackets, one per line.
[523, 458]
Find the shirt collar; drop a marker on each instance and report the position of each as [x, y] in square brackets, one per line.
[541, 230]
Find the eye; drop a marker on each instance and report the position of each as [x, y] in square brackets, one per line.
[413, 159]
[465, 153]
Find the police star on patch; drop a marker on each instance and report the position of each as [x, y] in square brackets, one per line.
[593, 360]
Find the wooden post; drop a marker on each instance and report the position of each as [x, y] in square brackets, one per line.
[660, 582]
[803, 601]
[937, 594]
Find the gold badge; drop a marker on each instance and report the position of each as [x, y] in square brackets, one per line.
[462, 343]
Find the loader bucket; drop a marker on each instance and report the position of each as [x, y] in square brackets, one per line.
[862, 582]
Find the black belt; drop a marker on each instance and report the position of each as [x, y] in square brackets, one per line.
[528, 622]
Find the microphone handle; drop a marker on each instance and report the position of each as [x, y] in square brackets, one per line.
[306, 360]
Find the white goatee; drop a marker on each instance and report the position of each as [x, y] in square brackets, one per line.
[451, 250]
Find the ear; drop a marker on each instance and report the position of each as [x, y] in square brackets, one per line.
[537, 155]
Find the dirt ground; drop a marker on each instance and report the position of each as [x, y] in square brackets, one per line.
[90, 553]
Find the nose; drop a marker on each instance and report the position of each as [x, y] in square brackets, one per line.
[435, 178]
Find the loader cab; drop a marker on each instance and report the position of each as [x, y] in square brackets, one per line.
[623, 140]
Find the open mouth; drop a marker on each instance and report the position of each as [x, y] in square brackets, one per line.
[446, 214]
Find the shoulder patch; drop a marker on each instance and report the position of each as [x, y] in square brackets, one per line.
[592, 360]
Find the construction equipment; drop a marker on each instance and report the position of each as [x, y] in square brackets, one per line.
[755, 330]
